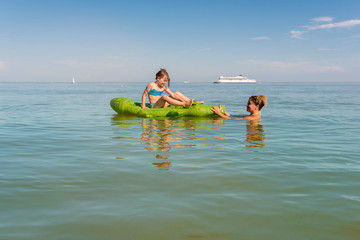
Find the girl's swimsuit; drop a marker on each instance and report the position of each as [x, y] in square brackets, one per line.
[155, 92]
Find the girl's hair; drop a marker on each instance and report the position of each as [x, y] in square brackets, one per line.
[163, 73]
[259, 100]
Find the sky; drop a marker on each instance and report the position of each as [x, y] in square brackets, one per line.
[197, 40]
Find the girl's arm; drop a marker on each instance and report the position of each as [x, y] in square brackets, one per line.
[168, 91]
[143, 98]
[217, 110]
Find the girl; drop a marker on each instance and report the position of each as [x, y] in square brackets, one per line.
[254, 105]
[155, 89]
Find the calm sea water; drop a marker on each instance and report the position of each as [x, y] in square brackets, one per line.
[71, 168]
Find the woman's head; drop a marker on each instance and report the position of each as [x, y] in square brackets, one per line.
[162, 74]
[258, 100]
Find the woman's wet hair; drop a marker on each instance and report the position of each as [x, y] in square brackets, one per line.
[259, 100]
[163, 73]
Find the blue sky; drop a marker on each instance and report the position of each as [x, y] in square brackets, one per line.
[122, 41]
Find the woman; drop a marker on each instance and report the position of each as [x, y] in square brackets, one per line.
[254, 105]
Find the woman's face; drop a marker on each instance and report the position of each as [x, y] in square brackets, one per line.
[251, 107]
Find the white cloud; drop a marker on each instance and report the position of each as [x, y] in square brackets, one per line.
[106, 65]
[323, 19]
[198, 50]
[203, 50]
[297, 34]
[299, 67]
[4, 38]
[113, 57]
[343, 24]
[324, 49]
[354, 37]
[260, 38]
[66, 62]
[333, 68]
[100, 65]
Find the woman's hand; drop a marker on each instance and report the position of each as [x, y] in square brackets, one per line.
[216, 110]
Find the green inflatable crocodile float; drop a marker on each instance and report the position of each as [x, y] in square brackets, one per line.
[130, 107]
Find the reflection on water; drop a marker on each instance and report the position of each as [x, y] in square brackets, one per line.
[255, 134]
[124, 121]
[163, 134]
[125, 131]
[160, 135]
[162, 165]
[161, 156]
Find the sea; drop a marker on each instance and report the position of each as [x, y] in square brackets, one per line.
[72, 168]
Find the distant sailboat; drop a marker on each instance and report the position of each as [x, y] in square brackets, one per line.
[73, 80]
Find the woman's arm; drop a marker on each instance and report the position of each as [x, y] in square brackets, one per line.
[217, 110]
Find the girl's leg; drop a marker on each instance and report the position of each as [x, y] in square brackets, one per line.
[183, 98]
[176, 102]
[178, 95]
[187, 101]
[160, 103]
[165, 101]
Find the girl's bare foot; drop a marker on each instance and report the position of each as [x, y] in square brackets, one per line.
[189, 103]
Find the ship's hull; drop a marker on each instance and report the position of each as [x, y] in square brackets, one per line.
[235, 81]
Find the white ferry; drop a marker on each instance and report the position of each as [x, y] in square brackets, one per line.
[237, 79]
